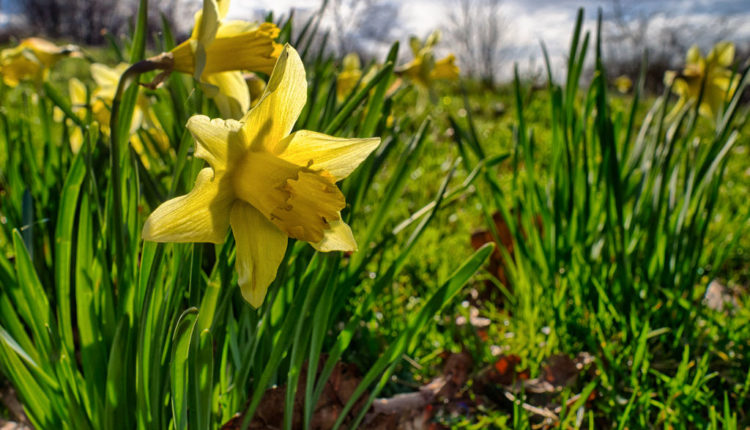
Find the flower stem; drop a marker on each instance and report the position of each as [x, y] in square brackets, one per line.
[116, 134]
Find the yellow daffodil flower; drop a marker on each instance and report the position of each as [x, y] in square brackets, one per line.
[19, 64]
[218, 51]
[349, 76]
[232, 95]
[47, 52]
[31, 60]
[623, 84]
[264, 183]
[256, 85]
[424, 69]
[144, 118]
[77, 91]
[713, 70]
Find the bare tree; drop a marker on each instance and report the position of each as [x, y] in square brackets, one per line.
[475, 29]
[359, 22]
[630, 31]
[84, 21]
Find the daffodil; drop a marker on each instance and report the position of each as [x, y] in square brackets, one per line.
[256, 85]
[19, 64]
[711, 73]
[144, 118]
[349, 76]
[623, 84]
[219, 50]
[31, 60]
[47, 52]
[424, 69]
[77, 91]
[265, 183]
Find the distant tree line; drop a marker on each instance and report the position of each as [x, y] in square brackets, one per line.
[86, 21]
[629, 32]
[475, 31]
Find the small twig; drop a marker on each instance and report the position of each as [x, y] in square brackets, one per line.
[411, 361]
[10, 425]
[533, 409]
[568, 403]
[409, 401]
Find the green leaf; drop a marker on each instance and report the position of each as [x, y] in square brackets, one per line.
[179, 375]
[202, 378]
[66, 219]
[408, 339]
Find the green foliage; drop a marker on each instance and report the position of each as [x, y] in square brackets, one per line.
[102, 330]
[611, 204]
[610, 247]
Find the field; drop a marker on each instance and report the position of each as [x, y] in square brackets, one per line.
[555, 255]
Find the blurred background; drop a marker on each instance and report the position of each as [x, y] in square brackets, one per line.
[487, 36]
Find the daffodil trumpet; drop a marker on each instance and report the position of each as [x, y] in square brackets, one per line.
[265, 183]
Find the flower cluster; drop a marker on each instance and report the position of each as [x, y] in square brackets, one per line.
[710, 75]
[424, 69]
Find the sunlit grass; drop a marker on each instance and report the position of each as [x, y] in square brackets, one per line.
[620, 217]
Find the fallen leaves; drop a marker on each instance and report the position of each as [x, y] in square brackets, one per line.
[506, 380]
[415, 410]
[449, 394]
[338, 390]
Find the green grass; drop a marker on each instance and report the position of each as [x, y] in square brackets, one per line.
[620, 219]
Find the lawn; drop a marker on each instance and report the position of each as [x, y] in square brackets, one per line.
[527, 256]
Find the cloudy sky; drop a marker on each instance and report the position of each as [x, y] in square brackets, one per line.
[530, 21]
[527, 22]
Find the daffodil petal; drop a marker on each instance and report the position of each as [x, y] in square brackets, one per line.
[253, 50]
[260, 249]
[208, 25]
[107, 76]
[669, 77]
[57, 114]
[217, 141]
[235, 28]
[445, 68]
[338, 156]
[75, 138]
[351, 61]
[200, 60]
[197, 17]
[713, 98]
[233, 99]
[693, 55]
[19, 64]
[106, 79]
[416, 45]
[44, 50]
[432, 39]
[274, 116]
[723, 53]
[223, 7]
[77, 95]
[338, 237]
[202, 215]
